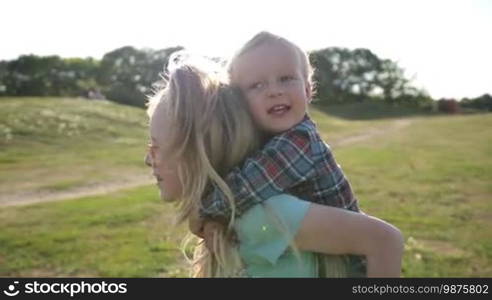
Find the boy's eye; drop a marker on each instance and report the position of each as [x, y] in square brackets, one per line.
[286, 78]
[256, 86]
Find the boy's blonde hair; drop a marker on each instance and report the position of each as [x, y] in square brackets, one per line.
[265, 37]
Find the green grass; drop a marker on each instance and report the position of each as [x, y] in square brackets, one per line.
[370, 111]
[125, 234]
[432, 179]
[51, 144]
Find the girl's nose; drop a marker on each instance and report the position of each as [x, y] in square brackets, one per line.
[147, 160]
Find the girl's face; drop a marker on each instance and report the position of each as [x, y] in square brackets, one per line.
[164, 167]
[272, 80]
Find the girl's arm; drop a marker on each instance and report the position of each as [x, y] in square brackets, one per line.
[331, 230]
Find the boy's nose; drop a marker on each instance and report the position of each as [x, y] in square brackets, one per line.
[275, 90]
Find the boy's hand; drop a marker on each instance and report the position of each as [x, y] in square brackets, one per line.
[205, 229]
[196, 224]
[210, 228]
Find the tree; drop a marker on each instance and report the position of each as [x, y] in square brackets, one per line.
[483, 102]
[127, 74]
[31, 75]
[79, 75]
[365, 68]
[3, 76]
[344, 75]
[329, 74]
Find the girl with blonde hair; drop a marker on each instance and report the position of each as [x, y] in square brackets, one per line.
[200, 128]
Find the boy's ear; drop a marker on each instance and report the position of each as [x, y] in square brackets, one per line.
[309, 92]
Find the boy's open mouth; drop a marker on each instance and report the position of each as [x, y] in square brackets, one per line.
[278, 109]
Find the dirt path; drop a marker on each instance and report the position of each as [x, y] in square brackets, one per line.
[371, 133]
[82, 191]
[109, 187]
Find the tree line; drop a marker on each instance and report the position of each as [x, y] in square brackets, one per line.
[126, 75]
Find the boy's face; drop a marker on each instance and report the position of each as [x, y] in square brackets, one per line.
[272, 80]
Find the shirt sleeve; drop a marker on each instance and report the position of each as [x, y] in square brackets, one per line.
[282, 163]
[266, 231]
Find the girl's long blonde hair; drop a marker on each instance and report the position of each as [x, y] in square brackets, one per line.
[212, 132]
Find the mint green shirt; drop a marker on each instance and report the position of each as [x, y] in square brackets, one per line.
[265, 234]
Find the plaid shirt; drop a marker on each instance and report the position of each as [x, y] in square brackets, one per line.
[295, 162]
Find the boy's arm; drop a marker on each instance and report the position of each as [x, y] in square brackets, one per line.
[284, 162]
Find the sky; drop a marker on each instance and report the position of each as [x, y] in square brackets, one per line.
[444, 46]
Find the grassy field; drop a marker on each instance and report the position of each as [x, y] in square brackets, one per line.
[57, 144]
[431, 178]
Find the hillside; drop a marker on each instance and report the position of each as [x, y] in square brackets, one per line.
[54, 144]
